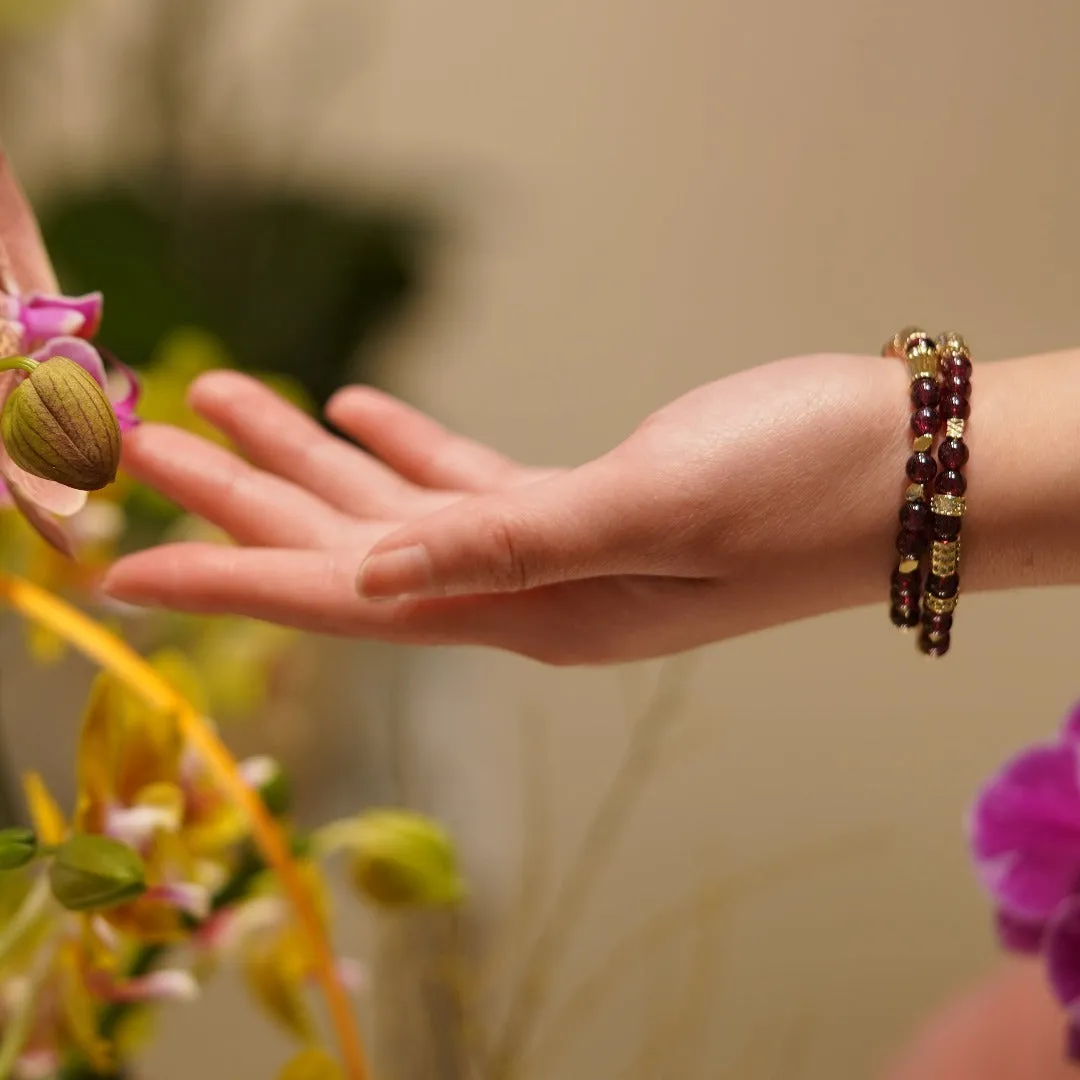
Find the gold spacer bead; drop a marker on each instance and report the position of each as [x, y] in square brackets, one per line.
[940, 605]
[915, 491]
[922, 362]
[954, 428]
[948, 505]
[922, 443]
[908, 566]
[906, 339]
[944, 565]
[953, 344]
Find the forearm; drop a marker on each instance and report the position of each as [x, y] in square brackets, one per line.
[829, 546]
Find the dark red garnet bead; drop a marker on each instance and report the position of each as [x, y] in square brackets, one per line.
[937, 624]
[911, 545]
[934, 648]
[945, 527]
[953, 453]
[925, 421]
[914, 514]
[925, 392]
[955, 406]
[956, 384]
[955, 364]
[950, 482]
[943, 587]
[921, 467]
[906, 617]
[906, 583]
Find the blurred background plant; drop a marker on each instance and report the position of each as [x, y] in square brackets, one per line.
[206, 269]
[217, 246]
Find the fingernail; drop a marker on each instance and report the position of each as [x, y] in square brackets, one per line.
[394, 575]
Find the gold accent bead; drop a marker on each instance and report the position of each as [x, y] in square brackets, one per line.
[906, 339]
[953, 344]
[922, 363]
[954, 428]
[948, 505]
[908, 566]
[940, 605]
[944, 557]
[915, 491]
[922, 443]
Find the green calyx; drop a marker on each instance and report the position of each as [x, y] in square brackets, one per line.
[94, 873]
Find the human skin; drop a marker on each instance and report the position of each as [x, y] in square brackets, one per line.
[763, 498]
[1006, 1027]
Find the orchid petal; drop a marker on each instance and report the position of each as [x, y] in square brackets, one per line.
[76, 350]
[1063, 956]
[24, 263]
[82, 314]
[1020, 935]
[1025, 831]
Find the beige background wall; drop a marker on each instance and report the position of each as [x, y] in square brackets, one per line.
[652, 195]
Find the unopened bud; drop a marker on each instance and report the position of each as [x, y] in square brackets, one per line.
[58, 424]
[17, 848]
[92, 873]
[403, 860]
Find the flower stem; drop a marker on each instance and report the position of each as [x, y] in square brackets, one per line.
[18, 363]
[116, 657]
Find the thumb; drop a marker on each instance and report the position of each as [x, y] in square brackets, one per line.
[594, 521]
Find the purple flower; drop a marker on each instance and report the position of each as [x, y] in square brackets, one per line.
[36, 321]
[1025, 837]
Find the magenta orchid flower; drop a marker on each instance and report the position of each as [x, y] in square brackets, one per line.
[1025, 837]
[36, 321]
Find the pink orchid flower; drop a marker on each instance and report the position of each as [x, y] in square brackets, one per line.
[36, 321]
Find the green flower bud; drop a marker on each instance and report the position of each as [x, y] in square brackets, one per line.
[58, 424]
[403, 860]
[92, 873]
[17, 848]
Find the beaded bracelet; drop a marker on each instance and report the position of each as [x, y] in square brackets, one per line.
[919, 351]
[947, 504]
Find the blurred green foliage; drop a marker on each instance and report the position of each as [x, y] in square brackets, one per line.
[288, 282]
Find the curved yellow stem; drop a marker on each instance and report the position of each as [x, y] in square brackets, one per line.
[107, 650]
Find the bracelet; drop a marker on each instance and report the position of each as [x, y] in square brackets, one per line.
[920, 352]
[947, 504]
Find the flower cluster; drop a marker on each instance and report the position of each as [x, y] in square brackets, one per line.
[157, 854]
[1025, 837]
[170, 841]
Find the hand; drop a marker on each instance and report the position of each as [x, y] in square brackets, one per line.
[1008, 1027]
[765, 497]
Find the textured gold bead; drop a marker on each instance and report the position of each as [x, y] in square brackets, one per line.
[940, 605]
[905, 339]
[952, 344]
[915, 491]
[922, 443]
[948, 505]
[954, 428]
[922, 362]
[944, 557]
[908, 566]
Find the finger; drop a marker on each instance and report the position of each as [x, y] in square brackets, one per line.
[253, 507]
[418, 447]
[281, 439]
[312, 591]
[603, 519]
